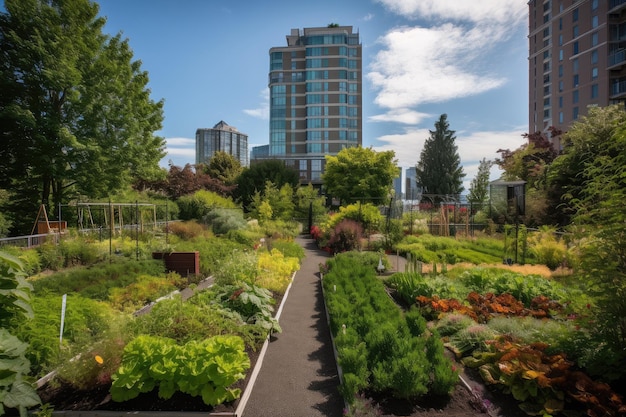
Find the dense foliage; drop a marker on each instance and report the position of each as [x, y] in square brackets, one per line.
[15, 390]
[360, 174]
[439, 169]
[379, 348]
[76, 112]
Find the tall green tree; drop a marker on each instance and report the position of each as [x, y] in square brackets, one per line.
[224, 167]
[76, 117]
[360, 174]
[479, 188]
[254, 179]
[439, 169]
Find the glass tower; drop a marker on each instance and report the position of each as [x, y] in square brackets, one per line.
[315, 97]
[221, 137]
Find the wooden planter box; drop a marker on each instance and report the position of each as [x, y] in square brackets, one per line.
[183, 263]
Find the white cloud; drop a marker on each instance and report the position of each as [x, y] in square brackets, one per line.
[406, 116]
[263, 111]
[478, 145]
[426, 65]
[368, 17]
[485, 11]
[175, 142]
[407, 146]
[471, 147]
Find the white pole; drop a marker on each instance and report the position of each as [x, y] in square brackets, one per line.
[63, 304]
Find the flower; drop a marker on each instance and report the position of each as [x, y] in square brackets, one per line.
[99, 359]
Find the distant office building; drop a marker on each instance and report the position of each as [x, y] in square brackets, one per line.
[577, 58]
[315, 87]
[412, 191]
[397, 185]
[221, 137]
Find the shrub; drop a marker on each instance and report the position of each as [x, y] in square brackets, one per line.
[223, 220]
[276, 270]
[240, 266]
[345, 236]
[187, 230]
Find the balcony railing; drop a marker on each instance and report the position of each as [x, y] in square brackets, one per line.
[618, 88]
[616, 3]
[618, 57]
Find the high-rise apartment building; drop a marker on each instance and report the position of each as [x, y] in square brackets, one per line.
[315, 87]
[221, 137]
[577, 58]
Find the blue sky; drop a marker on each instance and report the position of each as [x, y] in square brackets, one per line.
[208, 59]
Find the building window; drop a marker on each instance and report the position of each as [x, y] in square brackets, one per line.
[575, 81]
[560, 70]
[594, 57]
[546, 113]
[561, 117]
[560, 40]
[575, 66]
[575, 113]
[560, 102]
[594, 73]
[594, 21]
[575, 15]
[575, 48]
[575, 97]
[575, 32]
[594, 91]
[560, 86]
[594, 39]
[560, 55]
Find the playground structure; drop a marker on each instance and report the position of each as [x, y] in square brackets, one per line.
[115, 217]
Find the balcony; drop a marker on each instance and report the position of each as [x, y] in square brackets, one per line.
[617, 58]
[618, 89]
[616, 5]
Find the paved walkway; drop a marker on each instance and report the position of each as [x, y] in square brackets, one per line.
[298, 376]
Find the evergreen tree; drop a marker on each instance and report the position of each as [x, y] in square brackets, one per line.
[479, 188]
[439, 169]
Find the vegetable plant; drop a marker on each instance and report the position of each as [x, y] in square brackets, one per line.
[204, 368]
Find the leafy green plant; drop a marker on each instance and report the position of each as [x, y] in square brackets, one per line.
[197, 318]
[206, 368]
[255, 304]
[239, 266]
[15, 390]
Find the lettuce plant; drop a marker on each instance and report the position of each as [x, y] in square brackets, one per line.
[199, 368]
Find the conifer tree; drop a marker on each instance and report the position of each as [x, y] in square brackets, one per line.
[439, 169]
[479, 188]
